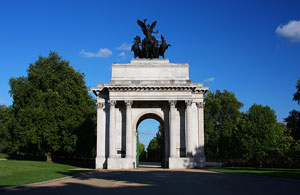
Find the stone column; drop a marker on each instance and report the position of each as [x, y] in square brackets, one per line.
[134, 146]
[191, 129]
[101, 124]
[112, 129]
[200, 106]
[129, 132]
[166, 111]
[172, 132]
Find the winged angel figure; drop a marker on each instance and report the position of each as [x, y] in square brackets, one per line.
[147, 29]
[150, 47]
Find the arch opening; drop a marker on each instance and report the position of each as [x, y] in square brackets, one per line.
[150, 133]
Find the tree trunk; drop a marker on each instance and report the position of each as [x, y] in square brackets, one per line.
[49, 158]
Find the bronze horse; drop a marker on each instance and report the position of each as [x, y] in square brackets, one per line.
[136, 47]
[163, 46]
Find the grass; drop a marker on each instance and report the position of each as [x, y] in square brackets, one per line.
[271, 172]
[16, 172]
[3, 155]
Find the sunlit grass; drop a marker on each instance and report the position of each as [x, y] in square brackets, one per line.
[16, 172]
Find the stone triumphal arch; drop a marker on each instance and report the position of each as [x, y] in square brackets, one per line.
[150, 88]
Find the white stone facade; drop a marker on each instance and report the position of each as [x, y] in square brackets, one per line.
[154, 89]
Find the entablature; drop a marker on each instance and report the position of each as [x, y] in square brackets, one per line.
[172, 90]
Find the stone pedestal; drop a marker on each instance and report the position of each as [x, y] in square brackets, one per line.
[101, 163]
[186, 163]
[121, 163]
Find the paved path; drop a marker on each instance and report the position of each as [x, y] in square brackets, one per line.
[158, 181]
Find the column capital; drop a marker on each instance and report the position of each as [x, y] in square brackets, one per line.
[128, 103]
[189, 102]
[172, 103]
[112, 102]
[200, 104]
[100, 105]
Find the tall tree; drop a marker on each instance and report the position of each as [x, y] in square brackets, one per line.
[51, 104]
[142, 152]
[293, 120]
[297, 94]
[293, 127]
[221, 119]
[5, 139]
[262, 134]
[155, 149]
[293, 124]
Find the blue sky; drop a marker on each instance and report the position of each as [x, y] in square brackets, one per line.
[147, 130]
[251, 48]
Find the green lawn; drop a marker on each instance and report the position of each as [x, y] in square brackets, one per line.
[271, 172]
[3, 155]
[17, 172]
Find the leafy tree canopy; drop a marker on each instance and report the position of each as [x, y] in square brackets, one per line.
[155, 149]
[262, 134]
[142, 152]
[293, 124]
[297, 94]
[51, 104]
[293, 120]
[221, 118]
[4, 128]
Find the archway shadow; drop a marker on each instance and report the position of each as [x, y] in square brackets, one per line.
[161, 182]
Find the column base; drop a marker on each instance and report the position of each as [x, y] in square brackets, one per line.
[200, 162]
[121, 163]
[186, 163]
[101, 163]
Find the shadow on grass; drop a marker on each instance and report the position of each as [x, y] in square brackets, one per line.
[84, 163]
[160, 182]
[78, 163]
[271, 172]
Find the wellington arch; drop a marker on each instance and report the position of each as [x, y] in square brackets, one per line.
[150, 88]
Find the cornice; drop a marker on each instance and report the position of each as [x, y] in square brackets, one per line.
[111, 88]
